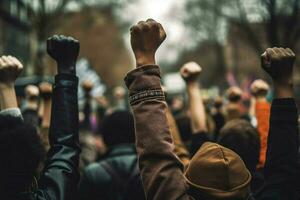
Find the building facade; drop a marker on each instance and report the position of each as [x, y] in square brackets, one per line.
[15, 29]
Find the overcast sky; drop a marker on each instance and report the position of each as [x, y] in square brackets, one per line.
[170, 14]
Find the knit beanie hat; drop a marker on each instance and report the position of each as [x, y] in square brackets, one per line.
[218, 173]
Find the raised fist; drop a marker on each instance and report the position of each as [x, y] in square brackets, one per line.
[87, 86]
[31, 91]
[65, 51]
[278, 63]
[190, 71]
[10, 69]
[45, 90]
[259, 88]
[234, 94]
[146, 37]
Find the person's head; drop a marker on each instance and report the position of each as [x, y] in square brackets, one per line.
[21, 153]
[241, 137]
[216, 172]
[118, 128]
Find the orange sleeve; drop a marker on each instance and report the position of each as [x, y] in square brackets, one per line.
[262, 111]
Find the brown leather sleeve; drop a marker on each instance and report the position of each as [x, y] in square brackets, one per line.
[161, 170]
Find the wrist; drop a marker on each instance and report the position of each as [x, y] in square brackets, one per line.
[144, 59]
[66, 68]
[7, 86]
[285, 90]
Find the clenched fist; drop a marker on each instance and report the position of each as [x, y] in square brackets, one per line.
[64, 50]
[190, 71]
[10, 69]
[278, 63]
[234, 94]
[31, 91]
[45, 90]
[146, 37]
[259, 88]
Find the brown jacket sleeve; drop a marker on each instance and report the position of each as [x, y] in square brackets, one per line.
[161, 170]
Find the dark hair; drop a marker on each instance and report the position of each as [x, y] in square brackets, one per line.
[118, 128]
[184, 126]
[21, 152]
[241, 137]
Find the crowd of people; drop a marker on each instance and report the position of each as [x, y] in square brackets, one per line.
[52, 150]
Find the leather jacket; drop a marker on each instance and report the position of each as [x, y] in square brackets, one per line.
[60, 176]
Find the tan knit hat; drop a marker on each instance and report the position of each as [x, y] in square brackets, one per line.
[218, 172]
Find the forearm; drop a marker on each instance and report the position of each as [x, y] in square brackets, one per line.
[159, 165]
[196, 107]
[64, 110]
[46, 117]
[7, 97]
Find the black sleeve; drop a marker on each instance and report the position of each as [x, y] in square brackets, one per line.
[197, 140]
[281, 163]
[60, 176]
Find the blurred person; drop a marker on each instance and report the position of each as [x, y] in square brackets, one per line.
[218, 116]
[233, 107]
[214, 172]
[21, 147]
[259, 90]
[119, 94]
[111, 177]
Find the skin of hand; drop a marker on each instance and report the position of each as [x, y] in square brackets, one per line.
[10, 69]
[279, 63]
[190, 72]
[146, 37]
[64, 50]
[45, 90]
[31, 91]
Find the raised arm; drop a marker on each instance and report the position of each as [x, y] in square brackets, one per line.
[10, 68]
[281, 168]
[60, 176]
[190, 73]
[161, 170]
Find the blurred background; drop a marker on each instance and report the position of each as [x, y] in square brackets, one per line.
[226, 37]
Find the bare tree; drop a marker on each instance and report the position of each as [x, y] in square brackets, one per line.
[279, 18]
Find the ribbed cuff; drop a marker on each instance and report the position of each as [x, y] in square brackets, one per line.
[144, 84]
[14, 112]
